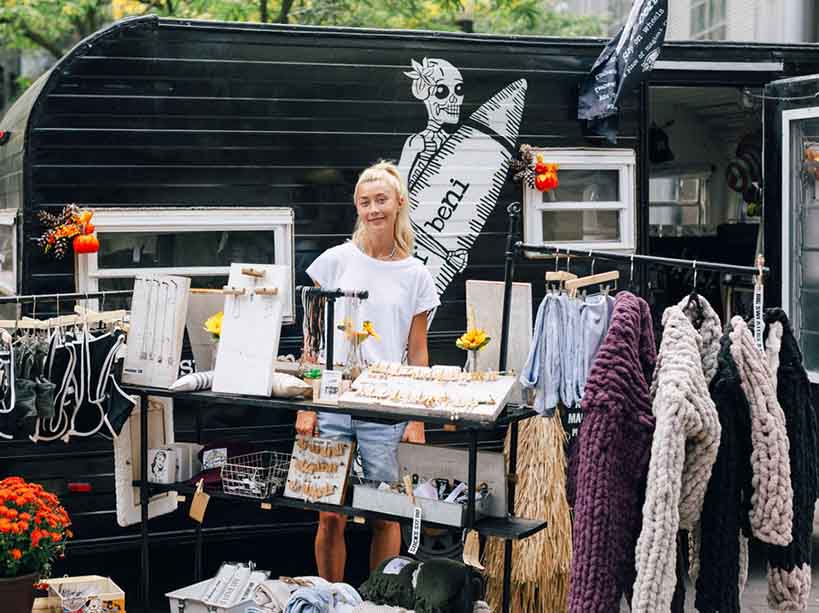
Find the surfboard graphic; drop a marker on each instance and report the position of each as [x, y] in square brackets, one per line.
[455, 192]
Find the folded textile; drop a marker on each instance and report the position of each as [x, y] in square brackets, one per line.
[272, 596]
[391, 583]
[193, 382]
[371, 607]
[443, 586]
[323, 597]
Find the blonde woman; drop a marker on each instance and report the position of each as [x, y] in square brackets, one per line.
[378, 259]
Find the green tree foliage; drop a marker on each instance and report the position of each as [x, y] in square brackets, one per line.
[55, 25]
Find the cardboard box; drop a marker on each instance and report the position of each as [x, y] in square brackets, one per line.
[86, 594]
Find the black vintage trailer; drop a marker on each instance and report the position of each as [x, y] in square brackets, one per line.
[185, 134]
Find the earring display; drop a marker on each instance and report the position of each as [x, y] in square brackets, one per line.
[318, 470]
[255, 299]
[439, 390]
[159, 308]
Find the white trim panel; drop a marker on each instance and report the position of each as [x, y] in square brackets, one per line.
[720, 66]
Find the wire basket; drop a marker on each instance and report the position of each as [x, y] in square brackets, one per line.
[255, 475]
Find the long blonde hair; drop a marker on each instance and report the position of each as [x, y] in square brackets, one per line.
[389, 173]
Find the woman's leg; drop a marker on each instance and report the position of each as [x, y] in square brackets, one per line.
[386, 541]
[378, 447]
[330, 548]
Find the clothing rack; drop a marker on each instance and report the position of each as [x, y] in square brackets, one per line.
[516, 250]
[33, 298]
[521, 247]
[331, 295]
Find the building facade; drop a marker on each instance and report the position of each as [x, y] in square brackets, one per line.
[780, 21]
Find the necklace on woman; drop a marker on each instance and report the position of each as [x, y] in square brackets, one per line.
[391, 255]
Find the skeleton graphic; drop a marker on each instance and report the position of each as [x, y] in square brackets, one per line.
[440, 86]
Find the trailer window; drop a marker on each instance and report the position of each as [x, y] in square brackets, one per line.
[194, 242]
[800, 244]
[593, 207]
[8, 252]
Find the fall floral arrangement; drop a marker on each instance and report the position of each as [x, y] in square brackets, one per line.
[213, 325]
[33, 528]
[532, 169]
[72, 226]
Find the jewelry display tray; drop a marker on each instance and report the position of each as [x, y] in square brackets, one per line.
[500, 390]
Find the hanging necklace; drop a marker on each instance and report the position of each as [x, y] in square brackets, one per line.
[392, 253]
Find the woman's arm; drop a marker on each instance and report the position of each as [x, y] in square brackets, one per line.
[417, 355]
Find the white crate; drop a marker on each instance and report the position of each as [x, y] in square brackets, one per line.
[230, 591]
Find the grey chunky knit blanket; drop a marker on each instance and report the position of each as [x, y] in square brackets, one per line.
[683, 450]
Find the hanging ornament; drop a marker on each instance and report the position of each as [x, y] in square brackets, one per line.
[534, 170]
[72, 226]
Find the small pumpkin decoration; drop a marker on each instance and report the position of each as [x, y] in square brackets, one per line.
[86, 243]
[72, 226]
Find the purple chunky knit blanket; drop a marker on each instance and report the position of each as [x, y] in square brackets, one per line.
[612, 463]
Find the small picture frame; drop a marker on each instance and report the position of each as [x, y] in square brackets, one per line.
[161, 465]
[319, 468]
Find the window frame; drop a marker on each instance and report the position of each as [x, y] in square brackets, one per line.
[791, 227]
[8, 219]
[622, 160]
[278, 220]
[711, 24]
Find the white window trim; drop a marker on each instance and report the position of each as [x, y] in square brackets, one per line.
[279, 220]
[787, 255]
[8, 218]
[622, 160]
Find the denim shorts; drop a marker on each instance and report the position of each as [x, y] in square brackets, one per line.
[377, 443]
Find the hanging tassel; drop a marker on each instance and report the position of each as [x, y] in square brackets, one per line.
[540, 564]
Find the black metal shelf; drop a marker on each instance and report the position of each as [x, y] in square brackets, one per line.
[512, 413]
[506, 528]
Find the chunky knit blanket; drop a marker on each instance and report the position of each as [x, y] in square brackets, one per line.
[614, 447]
[683, 450]
[789, 572]
[727, 499]
[771, 512]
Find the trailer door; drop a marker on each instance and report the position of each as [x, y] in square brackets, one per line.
[792, 204]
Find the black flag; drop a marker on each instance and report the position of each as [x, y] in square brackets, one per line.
[623, 63]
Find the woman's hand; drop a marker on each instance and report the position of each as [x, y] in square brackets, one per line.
[306, 423]
[414, 433]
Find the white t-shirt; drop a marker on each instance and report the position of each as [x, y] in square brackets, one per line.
[399, 290]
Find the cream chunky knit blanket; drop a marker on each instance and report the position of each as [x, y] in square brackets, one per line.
[683, 450]
[771, 512]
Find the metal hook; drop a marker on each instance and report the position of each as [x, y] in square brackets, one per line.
[695, 275]
[557, 259]
[592, 262]
[631, 272]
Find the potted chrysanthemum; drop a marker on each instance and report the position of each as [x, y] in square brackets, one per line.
[34, 528]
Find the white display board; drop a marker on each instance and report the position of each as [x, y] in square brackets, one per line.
[127, 460]
[485, 299]
[251, 327]
[158, 311]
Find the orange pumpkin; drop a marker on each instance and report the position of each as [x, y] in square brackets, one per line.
[89, 228]
[86, 243]
[86, 215]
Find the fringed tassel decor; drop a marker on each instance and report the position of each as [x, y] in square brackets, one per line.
[540, 564]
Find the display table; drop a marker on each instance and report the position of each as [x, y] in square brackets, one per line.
[509, 528]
